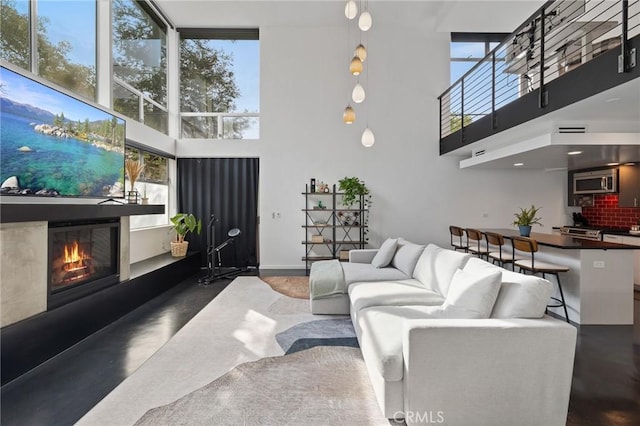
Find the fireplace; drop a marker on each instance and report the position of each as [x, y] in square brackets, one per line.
[83, 258]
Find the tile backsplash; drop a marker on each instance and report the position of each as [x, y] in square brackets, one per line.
[606, 213]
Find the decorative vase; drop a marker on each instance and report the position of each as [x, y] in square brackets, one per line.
[179, 249]
[525, 230]
[132, 197]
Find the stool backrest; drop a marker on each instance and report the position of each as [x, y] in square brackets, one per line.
[525, 244]
[494, 239]
[456, 231]
[473, 234]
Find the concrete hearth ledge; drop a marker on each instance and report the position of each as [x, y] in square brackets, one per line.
[19, 212]
[236, 327]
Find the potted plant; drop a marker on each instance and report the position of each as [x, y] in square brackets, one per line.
[183, 223]
[526, 218]
[353, 188]
[133, 169]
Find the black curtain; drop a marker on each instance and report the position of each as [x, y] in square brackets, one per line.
[226, 188]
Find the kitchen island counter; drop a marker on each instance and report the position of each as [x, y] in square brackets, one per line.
[564, 242]
[598, 288]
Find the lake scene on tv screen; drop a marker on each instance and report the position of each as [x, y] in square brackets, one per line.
[52, 144]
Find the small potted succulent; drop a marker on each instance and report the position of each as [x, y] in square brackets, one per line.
[526, 218]
[183, 223]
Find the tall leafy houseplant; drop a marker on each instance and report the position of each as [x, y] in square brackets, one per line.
[526, 218]
[183, 223]
[353, 188]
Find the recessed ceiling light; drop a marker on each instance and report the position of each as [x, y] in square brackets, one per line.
[612, 100]
[518, 164]
[574, 152]
[613, 164]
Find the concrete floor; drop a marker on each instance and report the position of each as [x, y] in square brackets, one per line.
[605, 390]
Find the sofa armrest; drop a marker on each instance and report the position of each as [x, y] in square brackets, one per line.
[362, 255]
[488, 371]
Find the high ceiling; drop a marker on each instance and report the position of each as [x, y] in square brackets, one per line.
[446, 16]
[618, 105]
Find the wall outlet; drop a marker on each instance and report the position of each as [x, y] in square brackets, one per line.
[599, 264]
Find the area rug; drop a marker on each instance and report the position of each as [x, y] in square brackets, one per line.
[325, 332]
[292, 286]
[319, 386]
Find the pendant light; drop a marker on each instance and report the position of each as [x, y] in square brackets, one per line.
[358, 93]
[368, 139]
[361, 52]
[356, 66]
[365, 21]
[349, 115]
[350, 9]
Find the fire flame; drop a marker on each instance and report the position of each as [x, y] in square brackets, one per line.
[73, 256]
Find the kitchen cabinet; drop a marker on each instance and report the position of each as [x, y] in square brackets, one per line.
[636, 271]
[613, 238]
[629, 189]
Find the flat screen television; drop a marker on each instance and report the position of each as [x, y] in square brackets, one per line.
[52, 144]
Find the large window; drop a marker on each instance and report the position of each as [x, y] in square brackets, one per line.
[140, 63]
[152, 184]
[65, 43]
[219, 84]
[467, 52]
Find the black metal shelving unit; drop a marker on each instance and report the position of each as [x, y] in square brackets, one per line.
[329, 225]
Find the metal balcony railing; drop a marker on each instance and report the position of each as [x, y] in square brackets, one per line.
[560, 37]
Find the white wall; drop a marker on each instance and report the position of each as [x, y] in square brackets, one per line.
[416, 193]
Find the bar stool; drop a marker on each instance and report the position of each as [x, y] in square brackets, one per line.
[475, 247]
[530, 245]
[502, 257]
[456, 231]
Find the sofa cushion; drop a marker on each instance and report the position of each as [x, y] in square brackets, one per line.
[391, 293]
[520, 296]
[357, 272]
[473, 292]
[406, 256]
[385, 253]
[436, 267]
[380, 333]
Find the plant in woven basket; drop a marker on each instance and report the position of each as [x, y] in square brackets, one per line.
[183, 223]
[133, 169]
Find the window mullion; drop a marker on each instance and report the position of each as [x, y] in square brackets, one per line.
[33, 36]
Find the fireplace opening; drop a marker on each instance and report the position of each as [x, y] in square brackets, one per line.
[83, 258]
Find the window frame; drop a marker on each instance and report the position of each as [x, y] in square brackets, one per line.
[214, 34]
[165, 25]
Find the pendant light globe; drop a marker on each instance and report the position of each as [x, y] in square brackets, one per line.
[349, 115]
[358, 94]
[361, 52]
[355, 67]
[350, 9]
[368, 139]
[365, 21]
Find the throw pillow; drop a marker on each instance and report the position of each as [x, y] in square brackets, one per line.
[520, 296]
[385, 253]
[406, 256]
[475, 293]
[436, 267]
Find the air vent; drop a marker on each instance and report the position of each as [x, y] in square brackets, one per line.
[478, 152]
[572, 129]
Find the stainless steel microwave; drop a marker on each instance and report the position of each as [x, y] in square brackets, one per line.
[596, 182]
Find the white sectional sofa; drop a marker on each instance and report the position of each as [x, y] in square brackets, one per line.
[448, 338]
